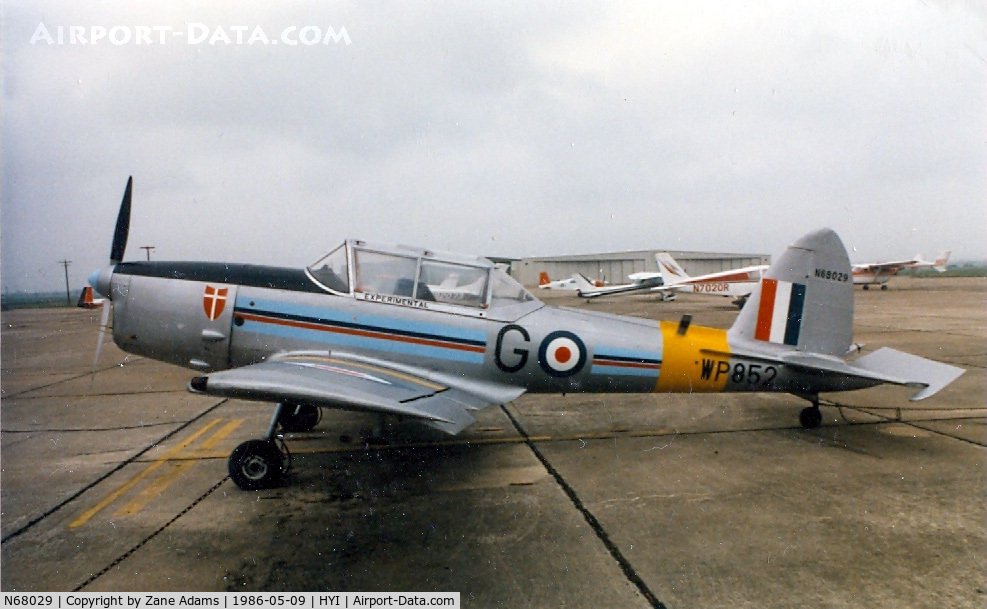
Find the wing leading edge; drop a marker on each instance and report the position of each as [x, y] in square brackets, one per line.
[339, 382]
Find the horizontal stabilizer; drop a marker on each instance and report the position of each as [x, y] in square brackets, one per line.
[915, 371]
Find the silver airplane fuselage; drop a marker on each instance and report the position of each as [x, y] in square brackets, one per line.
[214, 316]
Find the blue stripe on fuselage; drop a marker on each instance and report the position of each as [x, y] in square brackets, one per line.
[624, 371]
[333, 318]
[602, 362]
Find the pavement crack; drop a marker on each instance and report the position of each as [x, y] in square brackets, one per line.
[591, 520]
[118, 467]
[86, 429]
[144, 541]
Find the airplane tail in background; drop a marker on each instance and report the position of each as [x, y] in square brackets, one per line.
[86, 299]
[941, 260]
[582, 282]
[671, 271]
[543, 278]
[804, 300]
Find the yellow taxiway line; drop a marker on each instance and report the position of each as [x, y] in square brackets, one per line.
[84, 517]
[164, 481]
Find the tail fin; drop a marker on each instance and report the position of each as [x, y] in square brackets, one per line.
[86, 298]
[804, 300]
[582, 283]
[543, 278]
[671, 271]
[941, 260]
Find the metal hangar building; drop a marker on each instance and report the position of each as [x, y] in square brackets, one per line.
[615, 267]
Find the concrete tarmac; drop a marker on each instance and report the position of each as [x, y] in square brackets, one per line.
[116, 481]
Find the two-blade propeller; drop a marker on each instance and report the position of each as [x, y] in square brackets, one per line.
[122, 229]
[117, 249]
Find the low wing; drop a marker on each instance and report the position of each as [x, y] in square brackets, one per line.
[338, 382]
[642, 282]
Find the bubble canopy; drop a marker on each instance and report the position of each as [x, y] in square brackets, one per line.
[358, 267]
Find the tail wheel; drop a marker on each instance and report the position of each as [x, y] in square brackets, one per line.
[810, 417]
[297, 418]
[256, 464]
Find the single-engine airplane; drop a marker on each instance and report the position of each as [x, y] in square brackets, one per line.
[738, 283]
[578, 281]
[386, 330]
[878, 273]
[644, 281]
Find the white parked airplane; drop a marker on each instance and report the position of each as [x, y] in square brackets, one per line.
[878, 273]
[738, 283]
[672, 278]
[645, 281]
[577, 282]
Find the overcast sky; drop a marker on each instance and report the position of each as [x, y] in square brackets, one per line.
[503, 129]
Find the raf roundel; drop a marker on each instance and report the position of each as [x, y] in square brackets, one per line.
[562, 354]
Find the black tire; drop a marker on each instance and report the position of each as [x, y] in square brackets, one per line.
[866, 287]
[296, 418]
[810, 417]
[884, 286]
[256, 464]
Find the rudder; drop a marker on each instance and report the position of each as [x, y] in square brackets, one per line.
[671, 270]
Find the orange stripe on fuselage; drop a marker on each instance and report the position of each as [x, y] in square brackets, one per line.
[363, 333]
[733, 277]
[618, 364]
[684, 357]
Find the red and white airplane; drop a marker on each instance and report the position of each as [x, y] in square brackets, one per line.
[577, 282]
[672, 278]
[878, 273]
[738, 283]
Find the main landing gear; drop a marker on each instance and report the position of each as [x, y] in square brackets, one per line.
[259, 464]
[811, 417]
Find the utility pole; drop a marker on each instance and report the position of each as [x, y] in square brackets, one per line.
[68, 295]
[148, 248]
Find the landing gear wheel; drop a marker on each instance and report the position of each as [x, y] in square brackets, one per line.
[296, 418]
[884, 286]
[866, 287]
[810, 417]
[256, 464]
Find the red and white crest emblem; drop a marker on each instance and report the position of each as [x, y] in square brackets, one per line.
[214, 301]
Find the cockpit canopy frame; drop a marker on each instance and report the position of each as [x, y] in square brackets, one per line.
[393, 272]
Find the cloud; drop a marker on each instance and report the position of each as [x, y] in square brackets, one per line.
[494, 129]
